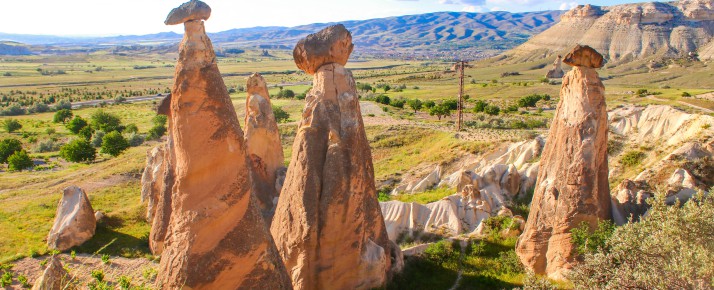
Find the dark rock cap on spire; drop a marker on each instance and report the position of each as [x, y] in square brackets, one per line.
[583, 55]
[191, 10]
[330, 45]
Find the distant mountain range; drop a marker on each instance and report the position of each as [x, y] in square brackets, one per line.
[470, 35]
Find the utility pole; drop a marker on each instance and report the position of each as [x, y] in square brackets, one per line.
[460, 66]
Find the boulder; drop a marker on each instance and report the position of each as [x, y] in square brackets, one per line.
[263, 146]
[55, 277]
[629, 201]
[216, 238]
[328, 225]
[331, 45]
[74, 221]
[572, 184]
[557, 71]
[189, 11]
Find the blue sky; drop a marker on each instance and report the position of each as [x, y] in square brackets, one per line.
[115, 17]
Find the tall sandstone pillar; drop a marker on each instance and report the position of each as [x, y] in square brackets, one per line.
[216, 237]
[572, 184]
[262, 138]
[328, 225]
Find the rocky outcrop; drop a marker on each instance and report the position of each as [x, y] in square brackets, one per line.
[217, 238]
[629, 201]
[163, 183]
[74, 221]
[263, 146]
[572, 184]
[328, 225]
[658, 123]
[330, 45]
[557, 71]
[151, 181]
[627, 32]
[55, 277]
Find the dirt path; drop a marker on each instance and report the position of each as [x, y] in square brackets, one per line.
[655, 98]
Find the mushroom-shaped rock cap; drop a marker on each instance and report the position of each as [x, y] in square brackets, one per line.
[191, 10]
[330, 45]
[583, 55]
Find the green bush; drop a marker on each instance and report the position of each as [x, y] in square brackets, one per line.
[281, 116]
[135, 139]
[156, 132]
[440, 111]
[479, 106]
[415, 104]
[78, 150]
[669, 248]
[492, 110]
[632, 158]
[113, 143]
[76, 124]
[19, 161]
[131, 128]
[429, 104]
[48, 145]
[87, 132]
[397, 103]
[382, 99]
[106, 122]
[97, 138]
[589, 241]
[11, 125]
[451, 104]
[62, 116]
[8, 147]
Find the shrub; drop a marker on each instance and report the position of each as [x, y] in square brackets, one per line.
[415, 104]
[98, 275]
[632, 158]
[382, 99]
[429, 104]
[47, 146]
[8, 147]
[19, 161]
[492, 110]
[397, 103]
[451, 104]
[13, 110]
[281, 116]
[39, 108]
[76, 124]
[63, 105]
[440, 111]
[135, 139]
[97, 138]
[113, 143]
[479, 106]
[442, 252]
[669, 248]
[104, 121]
[685, 94]
[588, 241]
[156, 132]
[124, 282]
[289, 94]
[50, 131]
[78, 150]
[131, 128]
[105, 259]
[11, 125]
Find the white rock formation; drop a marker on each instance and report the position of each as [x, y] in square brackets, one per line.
[74, 221]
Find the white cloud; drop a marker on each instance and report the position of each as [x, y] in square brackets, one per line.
[472, 9]
[568, 5]
[463, 2]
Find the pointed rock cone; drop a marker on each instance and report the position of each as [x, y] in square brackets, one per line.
[262, 140]
[328, 225]
[572, 184]
[55, 277]
[74, 221]
[216, 238]
[557, 71]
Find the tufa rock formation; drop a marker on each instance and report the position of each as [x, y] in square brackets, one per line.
[55, 277]
[217, 238]
[74, 221]
[330, 45]
[557, 71]
[572, 185]
[191, 10]
[263, 146]
[629, 32]
[328, 225]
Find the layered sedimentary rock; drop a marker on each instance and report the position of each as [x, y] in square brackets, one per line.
[74, 221]
[262, 140]
[572, 185]
[557, 71]
[629, 31]
[328, 225]
[217, 238]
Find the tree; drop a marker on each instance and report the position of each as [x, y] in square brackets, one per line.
[479, 106]
[8, 147]
[86, 132]
[387, 88]
[382, 99]
[429, 104]
[415, 104]
[280, 115]
[398, 103]
[529, 101]
[440, 111]
[492, 110]
[62, 116]
[113, 143]
[159, 128]
[76, 124]
[78, 150]
[288, 94]
[131, 128]
[19, 161]
[11, 125]
[452, 104]
[104, 121]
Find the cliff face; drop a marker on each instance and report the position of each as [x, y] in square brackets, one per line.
[627, 32]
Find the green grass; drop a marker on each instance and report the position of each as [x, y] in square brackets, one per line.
[425, 197]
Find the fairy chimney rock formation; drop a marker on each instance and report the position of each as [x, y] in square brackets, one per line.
[74, 221]
[572, 184]
[331, 45]
[263, 146]
[328, 225]
[217, 238]
[557, 71]
[191, 10]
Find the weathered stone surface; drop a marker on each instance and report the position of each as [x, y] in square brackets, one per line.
[189, 11]
[572, 184]
[557, 71]
[53, 278]
[328, 225]
[217, 238]
[262, 140]
[629, 201]
[150, 181]
[74, 221]
[157, 183]
[584, 56]
[330, 45]
[164, 106]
